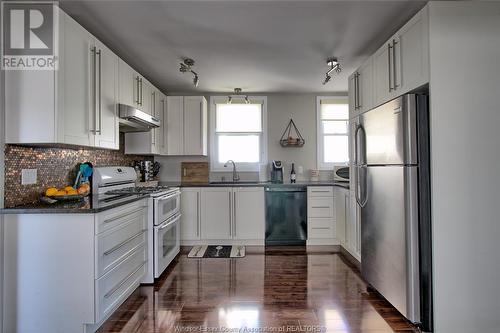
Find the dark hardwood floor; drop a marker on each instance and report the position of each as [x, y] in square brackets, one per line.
[277, 292]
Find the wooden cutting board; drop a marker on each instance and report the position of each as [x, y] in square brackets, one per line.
[194, 172]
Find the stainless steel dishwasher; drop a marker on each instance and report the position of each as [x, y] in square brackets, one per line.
[286, 215]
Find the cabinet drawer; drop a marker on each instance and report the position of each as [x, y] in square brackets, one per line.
[320, 207]
[116, 216]
[320, 191]
[327, 222]
[113, 287]
[114, 245]
[318, 233]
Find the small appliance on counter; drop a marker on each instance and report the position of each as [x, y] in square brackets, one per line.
[341, 174]
[276, 172]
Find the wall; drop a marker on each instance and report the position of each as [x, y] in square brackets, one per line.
[280, 108]
[56, 167]
[465, 165]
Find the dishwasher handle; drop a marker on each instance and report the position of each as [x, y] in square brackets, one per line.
[286, 189]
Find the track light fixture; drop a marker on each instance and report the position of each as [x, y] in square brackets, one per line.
[334, 66]
[237, 93]
[186, 67]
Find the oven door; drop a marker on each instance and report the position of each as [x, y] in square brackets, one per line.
[166, 243]
[166, 206]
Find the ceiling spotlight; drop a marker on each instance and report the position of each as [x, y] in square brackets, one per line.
[334, 66]
[237, 94]
[186, 67]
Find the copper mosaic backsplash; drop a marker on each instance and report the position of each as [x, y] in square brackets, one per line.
[55, 167]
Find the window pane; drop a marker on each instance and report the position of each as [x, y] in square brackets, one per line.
[336, 149]
[335, 127]
[334, 111]
[238, 118]
[239, 148]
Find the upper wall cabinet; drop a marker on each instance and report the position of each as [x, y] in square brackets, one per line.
[75, 105]
[135, 90]
[361, 89]
[399, 66]
[187, 125]
[152, 142]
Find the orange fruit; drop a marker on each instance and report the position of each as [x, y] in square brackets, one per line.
[51, 191]
[60, 193]
[69, 188]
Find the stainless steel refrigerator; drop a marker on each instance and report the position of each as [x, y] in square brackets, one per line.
[393, 193]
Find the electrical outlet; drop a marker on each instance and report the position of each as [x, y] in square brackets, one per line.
[28, 176]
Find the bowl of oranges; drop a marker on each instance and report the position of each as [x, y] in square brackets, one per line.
[68, 192]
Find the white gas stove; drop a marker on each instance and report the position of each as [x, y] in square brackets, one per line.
[119, 183]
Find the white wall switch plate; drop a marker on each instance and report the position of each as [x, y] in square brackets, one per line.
[28, 176]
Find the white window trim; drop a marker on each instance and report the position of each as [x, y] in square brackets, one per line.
[248, 167]
[319, 133]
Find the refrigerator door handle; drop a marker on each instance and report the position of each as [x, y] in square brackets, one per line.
[363, 185]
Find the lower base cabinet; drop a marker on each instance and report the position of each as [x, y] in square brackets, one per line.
[89, 263]
[222, 215]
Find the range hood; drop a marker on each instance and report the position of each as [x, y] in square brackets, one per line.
[135, 120]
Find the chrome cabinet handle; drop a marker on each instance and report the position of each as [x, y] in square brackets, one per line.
[94, 88]
[230, 215]
[128, 240]
[394, 73]
[140, 90]
[234, 214]
[122, 282]
[100, 92]
[320, 207]
[137, 90]
[153, 132]
[197, 214]
[357, 91]
[389, 51]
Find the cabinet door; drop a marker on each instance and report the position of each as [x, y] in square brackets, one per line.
[412, 53]
[352, 95]
[248, 213]
[190, 210]
[382, 74]
[107, 135]
[365, 86]
[146, 96]
[340, 211]
[79, 110]
[162, 130]
[195, 124]
[175, 125]
[216, 213]
[128, 85]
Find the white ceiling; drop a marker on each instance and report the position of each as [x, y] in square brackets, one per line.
[260, 46]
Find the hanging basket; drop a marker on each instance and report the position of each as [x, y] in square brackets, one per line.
[291, 137]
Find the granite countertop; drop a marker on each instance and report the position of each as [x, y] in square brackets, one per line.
[256, 184]
[87, 205]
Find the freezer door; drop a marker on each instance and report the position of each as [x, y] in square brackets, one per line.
[389, 236]
[390, 133]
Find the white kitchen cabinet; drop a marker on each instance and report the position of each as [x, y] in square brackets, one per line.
[107, 134]
[216, 221]
[340, 213]
[152, 142]
[74, 105]
[135, 90]
[191, 214]
[321, 216]
[361, 89]
[248, 210]
[226, 215]
[195, 125]
[175, 125]
[400, 65]
[187, 125]
[412, 53]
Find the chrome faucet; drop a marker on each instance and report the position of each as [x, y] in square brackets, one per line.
[236, 177]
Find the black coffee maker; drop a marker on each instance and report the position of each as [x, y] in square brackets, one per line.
[276, 172]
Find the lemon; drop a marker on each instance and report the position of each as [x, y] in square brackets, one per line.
[51, 191]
